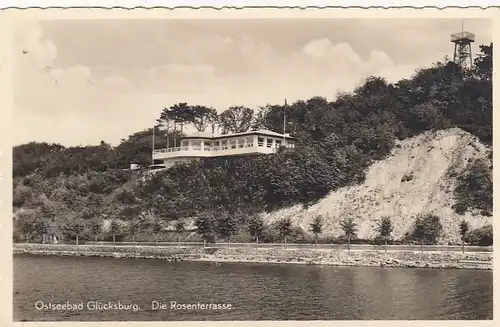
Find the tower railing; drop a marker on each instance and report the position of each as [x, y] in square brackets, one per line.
[456, 37]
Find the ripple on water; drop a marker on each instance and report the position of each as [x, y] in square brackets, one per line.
[257, 292]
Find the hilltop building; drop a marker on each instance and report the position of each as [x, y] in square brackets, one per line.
[203, 145]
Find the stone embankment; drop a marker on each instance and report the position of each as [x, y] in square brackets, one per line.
[408, 259]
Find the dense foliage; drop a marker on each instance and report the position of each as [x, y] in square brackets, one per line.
[474, 189]
[337, 140]
[427, 229]
[385, 228]
[482, 236]
[316, 226]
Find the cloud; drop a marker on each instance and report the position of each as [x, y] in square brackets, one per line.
[176, 78]
[116, 83]
[29, 41]
[324, 49]
[79, 104]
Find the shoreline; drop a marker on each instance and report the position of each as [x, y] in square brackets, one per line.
[359, 258]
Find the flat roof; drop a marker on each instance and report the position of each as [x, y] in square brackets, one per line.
[206, 135]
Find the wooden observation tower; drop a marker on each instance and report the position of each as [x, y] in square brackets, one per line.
[462, 54]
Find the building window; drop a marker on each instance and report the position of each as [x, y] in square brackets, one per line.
[278, 143]
[196, 145]
[241, 143]
[260, 141]
[232, 143]
[224, 145]
[184, 143]
[207, 145]
[249, 142]
[269, 143]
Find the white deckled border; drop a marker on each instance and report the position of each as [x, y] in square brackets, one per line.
[241, 3]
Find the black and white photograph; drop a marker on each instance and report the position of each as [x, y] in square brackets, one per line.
[311, 168]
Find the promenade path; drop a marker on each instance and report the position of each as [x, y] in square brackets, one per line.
[291, 246]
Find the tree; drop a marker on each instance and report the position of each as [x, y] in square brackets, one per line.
[285, 228]
[94, 202]
[226, 226]
[474, 188]
[131, 214]
[419, 232]
[95, 228]
[27, 229]
[256, 227]
[31, 156]
[205, 226]
[427, 228]
[464, 229]
[213, 120]
[136, 148]
[385, 228]
[202, 117]
[43, 227]
[180, 113]
[350, 228]
[180, 227]
[134, 226]
[236, 119]
[114, 227]
[155, 224]
[316, 227]
[425, 116]
[76, 227]
[482, 236]
[47, 211]
[25, 222]
[483, 64]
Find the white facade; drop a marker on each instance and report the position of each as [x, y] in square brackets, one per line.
[203, 145]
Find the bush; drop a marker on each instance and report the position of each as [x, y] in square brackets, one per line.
[426, 229]
[481, 236]
[271, 234]
[474, 189]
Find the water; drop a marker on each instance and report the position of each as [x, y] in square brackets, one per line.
[255, 291]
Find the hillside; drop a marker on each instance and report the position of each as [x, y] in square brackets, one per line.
[416, 178]
[421, 145]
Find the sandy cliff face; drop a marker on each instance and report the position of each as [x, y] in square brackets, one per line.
[412, 180]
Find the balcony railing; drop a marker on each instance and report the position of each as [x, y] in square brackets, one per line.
[166, 150]
[219, 149]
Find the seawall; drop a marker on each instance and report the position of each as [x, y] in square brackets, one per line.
[408, 259]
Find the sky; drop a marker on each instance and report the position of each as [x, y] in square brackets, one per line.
[78, 82]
